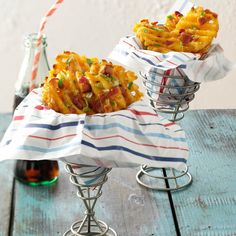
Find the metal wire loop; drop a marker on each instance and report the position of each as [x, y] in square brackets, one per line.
[146, 170]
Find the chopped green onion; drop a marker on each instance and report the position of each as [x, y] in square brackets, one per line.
[113, 79]
[145, 47]
[113, 103]
[107, 78]
[60, 83]
[130, 84]
[194, 27]
[99, 85]
[170, 17]
[89, 61]
[145, 30]
[86, 109]
[68, 61]
[89, 95]
[157, 29]
[116, 82]
[203, 13]
[157, 45]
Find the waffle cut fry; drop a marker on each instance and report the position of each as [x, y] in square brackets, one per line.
[152, 36]
[191, 33]
[78, 84]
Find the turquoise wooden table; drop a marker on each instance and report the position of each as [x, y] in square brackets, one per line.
[207, 207]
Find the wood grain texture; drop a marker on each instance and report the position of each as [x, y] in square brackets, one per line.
[6, 181]
[129, 209]
[208, 207]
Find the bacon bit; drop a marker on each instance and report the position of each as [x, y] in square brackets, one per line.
[186, 38]
[144, 21]
[123, 91]
[203, 20]
[72, 110]
[214, 14]
[155, 23]
[84, 85]
[55, 66]
[168, 42]
[85, 88]
[104, 61]
[78, 102]
[177, 13]
[181, 31]
[103, 97]
[83, 79]
[193, 9]
[113, 92]
[108, 70]
[96, 106]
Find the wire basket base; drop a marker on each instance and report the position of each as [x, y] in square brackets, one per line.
[163, 179]
[88, 181]
[97, 228]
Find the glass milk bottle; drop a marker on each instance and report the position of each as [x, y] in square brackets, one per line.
[43, 172]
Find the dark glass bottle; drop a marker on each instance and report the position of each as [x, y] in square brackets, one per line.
[33, 173]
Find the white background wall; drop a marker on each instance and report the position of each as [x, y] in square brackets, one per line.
[93, 27]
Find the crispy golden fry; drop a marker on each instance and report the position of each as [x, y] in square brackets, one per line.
[191, 33]
[172, 20]
[78, 84]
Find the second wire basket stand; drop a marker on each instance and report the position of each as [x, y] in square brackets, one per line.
[169, 93]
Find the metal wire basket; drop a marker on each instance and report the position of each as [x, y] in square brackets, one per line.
[88, 181]
[169, 94]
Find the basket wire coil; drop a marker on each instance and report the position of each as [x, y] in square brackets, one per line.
[172, 100]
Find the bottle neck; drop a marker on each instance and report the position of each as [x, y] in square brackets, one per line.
[24, 77]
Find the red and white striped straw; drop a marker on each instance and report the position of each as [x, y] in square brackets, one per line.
[39, 42]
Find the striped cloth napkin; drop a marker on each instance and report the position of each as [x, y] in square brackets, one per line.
[215, 66]
[124, 138]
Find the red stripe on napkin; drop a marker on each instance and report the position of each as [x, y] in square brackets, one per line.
[142, 113]
[18, 118]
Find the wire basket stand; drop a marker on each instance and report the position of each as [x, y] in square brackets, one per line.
[89, 189]
[169, 95]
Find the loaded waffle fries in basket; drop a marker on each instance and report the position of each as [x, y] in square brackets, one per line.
[78, 84]
[191, 33]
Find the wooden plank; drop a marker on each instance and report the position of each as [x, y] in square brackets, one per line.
[136, 211]
[125, 206]
[6, 180]
[208, 207]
